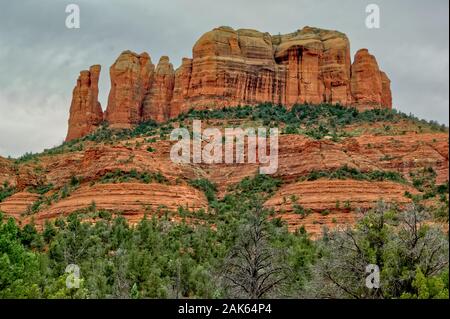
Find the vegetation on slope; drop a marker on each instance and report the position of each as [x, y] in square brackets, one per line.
[206, 254]
[158, 258]
[118, 176]
[315, 121]
[346, 172]
[6, 190]
[412, 258]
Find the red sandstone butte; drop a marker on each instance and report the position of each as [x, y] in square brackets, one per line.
[238, 67]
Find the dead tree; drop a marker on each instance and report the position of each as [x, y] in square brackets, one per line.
[253, 269]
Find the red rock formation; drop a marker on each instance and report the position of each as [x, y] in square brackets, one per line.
[370, 87]
[17, 205]
[7, 174]
[318, 64]
[298, 156]
[131, 77]
[133, 199]
[85, 111]
[156, 105]
[386, 94]
[181, 88]
[232, 67]
[247, 67]
[333, 202]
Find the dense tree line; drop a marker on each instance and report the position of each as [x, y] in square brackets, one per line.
[235, 249]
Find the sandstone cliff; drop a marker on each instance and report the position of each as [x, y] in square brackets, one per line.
[131, 78]
[369, 86]
[155, 105]
[298, 156]
[85, 111]
[232, 67]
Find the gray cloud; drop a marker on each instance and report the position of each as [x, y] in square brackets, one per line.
[40, 59]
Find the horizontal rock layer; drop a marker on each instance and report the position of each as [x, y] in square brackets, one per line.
[298, 156]
[17, 205]
[332, 202]
[132, 200]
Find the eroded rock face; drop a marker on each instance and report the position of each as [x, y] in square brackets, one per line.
[369, 86]
[181, 88]
[339, 197]
[133, 199]
[331, 202]
[236, 67]
[386, 94]
[131, 77]
[16, 206]
[85, 111]
[318, 66]
[7, 174]
[156, 105]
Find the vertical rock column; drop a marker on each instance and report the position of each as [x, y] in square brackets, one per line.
[85, 110]
[335, 69]
[370, 87]
[181, 88]
[131, 79]
[156, 105]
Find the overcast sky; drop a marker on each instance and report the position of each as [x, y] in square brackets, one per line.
[40, 58]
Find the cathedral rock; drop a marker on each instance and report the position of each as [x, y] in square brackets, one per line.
[229, 68]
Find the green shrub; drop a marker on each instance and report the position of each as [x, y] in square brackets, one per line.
[325, 212]
[346, 172]
[119, 176]
[6, 190]
[207, 187]
[41, 189]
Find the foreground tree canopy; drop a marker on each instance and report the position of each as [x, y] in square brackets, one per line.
[239, 249]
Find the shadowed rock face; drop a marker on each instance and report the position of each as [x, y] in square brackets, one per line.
[232, 67]
[85, 111]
